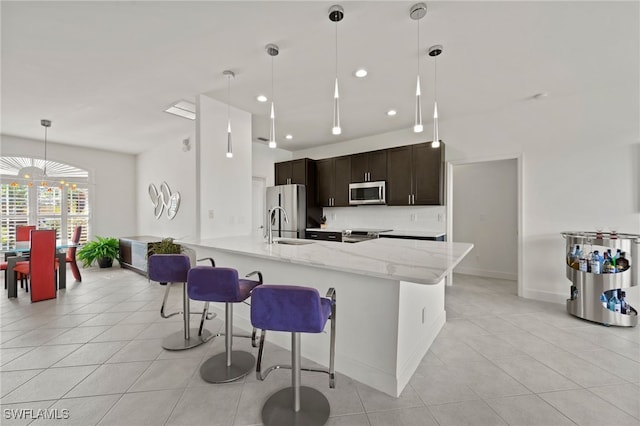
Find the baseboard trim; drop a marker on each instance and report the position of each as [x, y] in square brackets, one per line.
[487, 274]
[545, 296]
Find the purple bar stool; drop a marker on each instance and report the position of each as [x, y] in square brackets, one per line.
[168, 269]
[296, 310]
[210, 284]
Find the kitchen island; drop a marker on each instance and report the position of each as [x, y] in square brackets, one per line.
[390, 297]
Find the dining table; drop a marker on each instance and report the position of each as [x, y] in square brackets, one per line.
[19, 252]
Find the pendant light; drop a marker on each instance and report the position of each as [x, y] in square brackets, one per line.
[336, 13]
[34, 172]
[229, 75]
[417, 12]
[272, 50]
[434, 51]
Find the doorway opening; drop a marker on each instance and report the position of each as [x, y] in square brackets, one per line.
[484, 207]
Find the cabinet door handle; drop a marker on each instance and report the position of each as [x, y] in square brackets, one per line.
[314, 235]
[409, 199]
[413, 198]
[331, 237]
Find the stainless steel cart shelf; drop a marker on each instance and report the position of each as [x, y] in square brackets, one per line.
[585, 301]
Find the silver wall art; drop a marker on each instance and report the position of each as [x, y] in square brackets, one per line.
[164, 200]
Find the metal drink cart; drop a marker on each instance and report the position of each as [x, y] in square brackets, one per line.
[587, 287]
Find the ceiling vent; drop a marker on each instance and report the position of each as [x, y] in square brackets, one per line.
[183, 109]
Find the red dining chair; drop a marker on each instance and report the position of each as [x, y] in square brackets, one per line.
[71, 254]
[41, 267]
[23, 233]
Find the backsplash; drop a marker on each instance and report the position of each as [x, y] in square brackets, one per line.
[425, 218]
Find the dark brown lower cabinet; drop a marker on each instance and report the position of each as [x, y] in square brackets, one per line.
[324, 236]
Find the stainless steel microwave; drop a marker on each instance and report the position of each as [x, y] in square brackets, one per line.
[367, 193]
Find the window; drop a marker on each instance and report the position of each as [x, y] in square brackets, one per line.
[77, 211]
[25, 201]
[15, 211]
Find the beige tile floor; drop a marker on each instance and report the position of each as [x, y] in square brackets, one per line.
[499, 360]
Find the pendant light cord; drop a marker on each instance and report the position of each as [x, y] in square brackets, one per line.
[435, 79]
[273, 96]
[418, 44]
[336, 50]
[229, 98]
[45, 152]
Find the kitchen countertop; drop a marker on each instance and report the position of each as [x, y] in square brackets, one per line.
[414, 233]
[423, 262]
[324, 229]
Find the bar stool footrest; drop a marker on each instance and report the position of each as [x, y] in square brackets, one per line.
[215, 369]
[177, 342]
[278, 410]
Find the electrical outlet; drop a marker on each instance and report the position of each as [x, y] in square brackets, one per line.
[333, 216]
[440, 217]
[423, 314]
[210, 214]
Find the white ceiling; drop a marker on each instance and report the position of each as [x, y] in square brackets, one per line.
[103, 72]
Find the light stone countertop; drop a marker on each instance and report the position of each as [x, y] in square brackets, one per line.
[324, 229]
[414, 233]
[423, 262]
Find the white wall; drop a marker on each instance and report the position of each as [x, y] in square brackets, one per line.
[264, 158]
[168, 162]
[485, 213]
[113, 207]
[224, 184]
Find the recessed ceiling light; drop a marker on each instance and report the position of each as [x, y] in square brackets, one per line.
[184, 109]
[288, 137]
[360, 73]
[392, 112]
[261, 98]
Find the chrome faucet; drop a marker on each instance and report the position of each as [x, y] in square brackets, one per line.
[272, 220]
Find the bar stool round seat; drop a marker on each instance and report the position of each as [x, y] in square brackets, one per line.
[174, 268]
[296, 310]
[215, 284]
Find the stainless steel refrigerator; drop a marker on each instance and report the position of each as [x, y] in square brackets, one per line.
[293, 199]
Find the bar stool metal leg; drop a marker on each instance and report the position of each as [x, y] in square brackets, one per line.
[189, 337]
[296, 405]
[230, 365]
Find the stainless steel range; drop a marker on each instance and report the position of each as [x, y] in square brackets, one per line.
[356, 235]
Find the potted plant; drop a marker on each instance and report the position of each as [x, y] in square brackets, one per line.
[166, 246]
[102, 250]
[323, 222]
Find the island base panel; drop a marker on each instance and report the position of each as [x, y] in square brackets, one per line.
[381, 336]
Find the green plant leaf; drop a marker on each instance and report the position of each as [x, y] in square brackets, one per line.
[89, 253]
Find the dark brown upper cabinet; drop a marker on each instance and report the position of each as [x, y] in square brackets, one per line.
[334, 176]
[292, 172]
[415, 175]
[369, 166]
[301, 172]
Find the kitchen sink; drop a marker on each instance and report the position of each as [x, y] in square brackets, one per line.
[294, 242]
